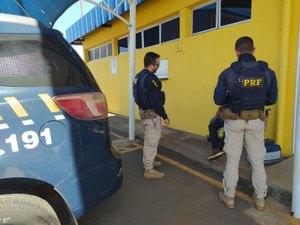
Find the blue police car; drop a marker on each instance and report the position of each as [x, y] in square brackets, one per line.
[56, 156]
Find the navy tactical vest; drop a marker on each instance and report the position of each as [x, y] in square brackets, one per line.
[248, 85]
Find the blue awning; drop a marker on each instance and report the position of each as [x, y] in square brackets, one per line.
[93, 19]
[45, 11]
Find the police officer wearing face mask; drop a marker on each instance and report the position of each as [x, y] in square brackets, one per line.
[245, 88]
[150, 99]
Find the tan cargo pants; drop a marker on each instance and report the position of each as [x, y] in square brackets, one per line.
[252, 132]
[152, 134]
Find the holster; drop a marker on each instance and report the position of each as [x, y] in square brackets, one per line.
[266, 115]
[147, 114]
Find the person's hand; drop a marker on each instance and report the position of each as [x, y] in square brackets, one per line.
[167, 122]
[219, 112]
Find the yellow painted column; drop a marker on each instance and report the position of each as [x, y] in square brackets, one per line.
[282, 79]
[114, 46]
[185, 22]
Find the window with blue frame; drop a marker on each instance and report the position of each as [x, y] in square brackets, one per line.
[100, 52]
[123, 45]
[170, 30]
[220, 13]
[151, 36]
[139, 42]
[96, 53]
[204, 18]
[160, 33]
[233, 11]
[90, 55]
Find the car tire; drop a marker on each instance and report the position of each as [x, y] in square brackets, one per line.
[24, 209]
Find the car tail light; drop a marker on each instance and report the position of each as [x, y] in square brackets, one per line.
[83, 106]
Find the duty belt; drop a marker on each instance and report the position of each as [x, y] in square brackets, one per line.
[244, 114]
[147, 114]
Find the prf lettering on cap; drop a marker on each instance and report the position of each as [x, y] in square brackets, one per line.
[252, 82]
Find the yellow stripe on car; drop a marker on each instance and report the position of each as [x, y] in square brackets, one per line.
[16, 106]
[49, 103]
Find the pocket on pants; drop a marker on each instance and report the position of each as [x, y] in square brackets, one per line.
[157, 122]
[152, 134]
[147, 124]
[152, 138]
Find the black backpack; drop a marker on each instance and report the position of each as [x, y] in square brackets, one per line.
[138, 86]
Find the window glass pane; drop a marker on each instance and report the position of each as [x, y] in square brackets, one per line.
[233, 11]
[139, 40]
[170, 30]
[40, 61]
[96, 53]
[103, 51]
[109, 49]
[204, 18]
[91, 55]
[151, 36]
[123, 45]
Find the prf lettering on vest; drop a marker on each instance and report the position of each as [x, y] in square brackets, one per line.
[252, 82]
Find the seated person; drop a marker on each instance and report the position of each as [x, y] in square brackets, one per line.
[215, 124]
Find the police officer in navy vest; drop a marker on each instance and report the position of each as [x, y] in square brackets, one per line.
[150, 99]
[245, 88]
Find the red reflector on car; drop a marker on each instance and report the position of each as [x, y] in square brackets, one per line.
[83, 106]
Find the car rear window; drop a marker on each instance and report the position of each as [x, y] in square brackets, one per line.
[36, 60]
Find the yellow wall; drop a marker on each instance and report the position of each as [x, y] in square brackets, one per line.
[195, 62]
